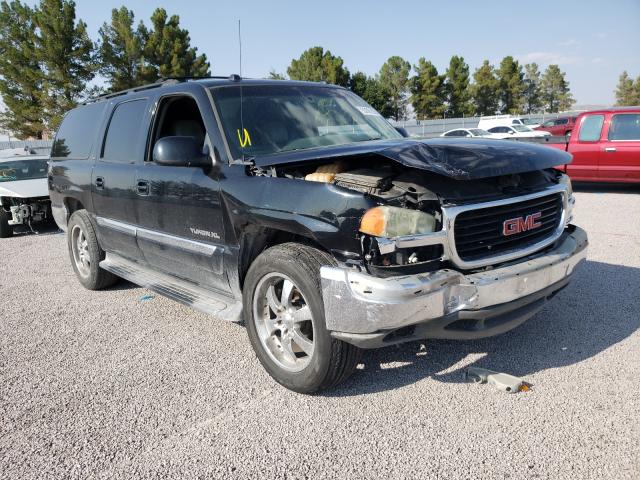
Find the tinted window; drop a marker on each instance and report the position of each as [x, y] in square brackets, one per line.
[625, 127]
[123, 134]
[456, 133]
[77, 132]
[590, 128]
[562, 121]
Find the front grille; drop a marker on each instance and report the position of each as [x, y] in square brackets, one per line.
[479, 233]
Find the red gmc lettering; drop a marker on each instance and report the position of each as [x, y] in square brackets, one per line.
[520, 224]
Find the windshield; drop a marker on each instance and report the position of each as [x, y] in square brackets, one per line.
[283, 118]
[521, 128]
[23, 170]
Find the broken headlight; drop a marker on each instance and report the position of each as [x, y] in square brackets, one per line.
[392, 222]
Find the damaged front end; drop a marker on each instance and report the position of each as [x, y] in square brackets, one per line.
[458, 256]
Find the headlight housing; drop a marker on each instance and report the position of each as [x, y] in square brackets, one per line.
[392, 222]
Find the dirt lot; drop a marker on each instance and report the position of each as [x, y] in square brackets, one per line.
[121, 384]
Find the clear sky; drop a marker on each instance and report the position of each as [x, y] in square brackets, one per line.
[592, 41]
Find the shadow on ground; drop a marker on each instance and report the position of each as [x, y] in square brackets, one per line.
[592, 314]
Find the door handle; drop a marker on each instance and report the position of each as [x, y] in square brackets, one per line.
[610, 149]
[99, 182]
[142, 187]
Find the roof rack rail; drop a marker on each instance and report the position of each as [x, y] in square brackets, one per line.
[162, 81]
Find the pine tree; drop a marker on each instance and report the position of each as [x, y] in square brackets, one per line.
[65, 53]
[394, 81]
[556, 95]
[273, 75]
[512, 87]
[168, 50]
[20, 74]
[485, 90]
[533, 91]
[121, 50]
[368, 88]
[318, 65]
[457, 88]
[627, 92]
[428, 94]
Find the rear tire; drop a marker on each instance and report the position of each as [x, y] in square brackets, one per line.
[284, 316]
[85, 253]
[6, 230]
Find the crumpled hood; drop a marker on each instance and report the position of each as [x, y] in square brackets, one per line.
[460, 159]
[35, 187]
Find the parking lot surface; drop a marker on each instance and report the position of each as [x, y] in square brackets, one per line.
[125, 384]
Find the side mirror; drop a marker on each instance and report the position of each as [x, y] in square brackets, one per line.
[402, 132]
[180, 152]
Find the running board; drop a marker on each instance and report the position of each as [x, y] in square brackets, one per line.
[176, 289]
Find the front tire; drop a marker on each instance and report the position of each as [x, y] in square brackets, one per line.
[6, 230]
[85, 253]
[284, 316]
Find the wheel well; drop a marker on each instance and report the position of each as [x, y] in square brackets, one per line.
[256, 240]
[72, 205]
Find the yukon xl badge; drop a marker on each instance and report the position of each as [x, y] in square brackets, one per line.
[521, 224]
[204, 233]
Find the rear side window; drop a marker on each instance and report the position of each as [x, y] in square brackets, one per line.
[591, 128]
[562, 121]
[123, 134]
[625, 127]
[77, 132]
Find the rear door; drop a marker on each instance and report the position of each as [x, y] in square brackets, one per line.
[620, 149]
[585, 148]
[114, 192]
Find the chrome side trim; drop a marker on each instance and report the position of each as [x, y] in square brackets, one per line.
[172, 241]
[177, 242]
[121, 227]
[446, 238]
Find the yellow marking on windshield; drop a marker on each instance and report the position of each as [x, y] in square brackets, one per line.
[246, 140]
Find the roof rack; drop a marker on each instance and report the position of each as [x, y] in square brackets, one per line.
[163, 81]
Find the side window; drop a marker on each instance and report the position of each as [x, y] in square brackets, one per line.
[123, 133]
[78, 130]
[451, 134]
[549, 123]
[562, 121]
[625, 127]
[590, 128]
[177, 116]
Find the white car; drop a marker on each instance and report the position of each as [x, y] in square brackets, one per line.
[518, 131]
[24, 193]
[471, 132]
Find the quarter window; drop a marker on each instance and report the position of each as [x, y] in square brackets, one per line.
[591, 128]
[77, 132]
[123, 134]
[625, 127]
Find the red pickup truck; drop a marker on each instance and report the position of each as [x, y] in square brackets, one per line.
[605, 145]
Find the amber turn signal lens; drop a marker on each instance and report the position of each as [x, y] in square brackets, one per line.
[374, 222]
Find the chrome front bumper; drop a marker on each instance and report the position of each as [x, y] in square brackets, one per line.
[360, 304]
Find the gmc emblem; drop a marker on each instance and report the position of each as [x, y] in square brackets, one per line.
[521, 224]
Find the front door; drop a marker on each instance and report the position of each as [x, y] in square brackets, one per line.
[586, 149]
[620, 150]
[113, 176]
[179, 216]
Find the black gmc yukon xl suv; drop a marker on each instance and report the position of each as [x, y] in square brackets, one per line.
[297, 208]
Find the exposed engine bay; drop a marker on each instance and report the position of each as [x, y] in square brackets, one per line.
[415, 191]
[26, 211]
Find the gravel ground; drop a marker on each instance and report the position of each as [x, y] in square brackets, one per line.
[112, 385]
